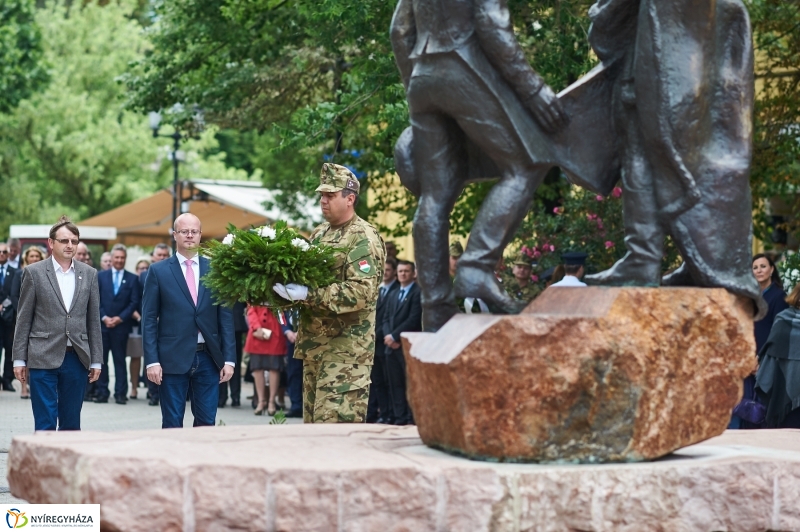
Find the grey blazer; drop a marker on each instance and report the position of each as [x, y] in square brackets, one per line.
[44, 322]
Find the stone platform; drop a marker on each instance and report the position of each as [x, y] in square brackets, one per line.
[379, 478]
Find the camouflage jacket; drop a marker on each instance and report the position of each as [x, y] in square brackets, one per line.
[341, 325]
[526, 293]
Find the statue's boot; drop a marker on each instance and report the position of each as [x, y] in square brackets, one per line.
[644, 236]
[482, 284]
[641, 265]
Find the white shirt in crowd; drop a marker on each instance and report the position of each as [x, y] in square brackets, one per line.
[569, 280]
[66, 285]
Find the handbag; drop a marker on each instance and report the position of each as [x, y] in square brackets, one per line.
[751, 411]
[135, 348]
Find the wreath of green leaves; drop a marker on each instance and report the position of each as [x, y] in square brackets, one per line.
[245, 265]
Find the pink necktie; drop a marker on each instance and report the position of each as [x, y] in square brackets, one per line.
[190, 280]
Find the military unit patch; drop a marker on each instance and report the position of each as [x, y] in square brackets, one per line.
[363, 266]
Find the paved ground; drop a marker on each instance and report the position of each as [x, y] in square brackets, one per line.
[16, 418]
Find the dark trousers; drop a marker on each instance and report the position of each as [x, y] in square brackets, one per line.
[236, 380]
[379, 405]
[395, 371]
[204, 393]
[117, 343]
[57, 395]
[294, 380]
[7, 337]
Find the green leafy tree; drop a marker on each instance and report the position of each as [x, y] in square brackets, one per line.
[72, 147]
[22, 66]
[776, 155]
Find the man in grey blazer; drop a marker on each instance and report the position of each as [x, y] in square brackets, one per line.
[58, 340]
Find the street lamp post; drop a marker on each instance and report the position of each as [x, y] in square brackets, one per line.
[155, 123]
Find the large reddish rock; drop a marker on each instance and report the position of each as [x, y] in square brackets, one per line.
[594, 374]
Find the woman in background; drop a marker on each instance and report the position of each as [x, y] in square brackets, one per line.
[32, 255]
[769, 282]
[266, 346]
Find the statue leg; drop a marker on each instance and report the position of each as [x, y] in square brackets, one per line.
[644, 236]
[438, 160]
[498, 220]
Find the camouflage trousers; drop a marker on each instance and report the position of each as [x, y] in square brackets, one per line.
[334, 392]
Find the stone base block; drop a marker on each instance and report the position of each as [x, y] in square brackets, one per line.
[377, 478]
[593, 374]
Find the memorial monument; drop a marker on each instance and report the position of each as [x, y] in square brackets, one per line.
[668, 112]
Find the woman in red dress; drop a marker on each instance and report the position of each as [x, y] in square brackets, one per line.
[266, 346]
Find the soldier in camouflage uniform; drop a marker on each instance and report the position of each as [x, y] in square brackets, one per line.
[519, 286]
[337, 342]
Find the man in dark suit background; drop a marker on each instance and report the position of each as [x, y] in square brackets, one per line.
[403, 314]
[6, 326]
[119, 299]
[380, 409]
[161, 251]
[240, 327]
[187, 336]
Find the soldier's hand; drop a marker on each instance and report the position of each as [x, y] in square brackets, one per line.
[291, 291]
[547, 110]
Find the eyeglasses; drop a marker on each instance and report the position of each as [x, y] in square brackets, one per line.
[4, 251]
[65, 241]
[187, 232]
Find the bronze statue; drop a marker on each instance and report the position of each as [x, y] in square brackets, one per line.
[467, 79]
[682, 105]
[668, 109]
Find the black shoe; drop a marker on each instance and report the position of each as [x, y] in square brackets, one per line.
[386, 421]
[100, 399]
[152, 402]
[235, 403]
[8, 387]
[88, 398]
[294, 413]
[120, 399]
[221, 403]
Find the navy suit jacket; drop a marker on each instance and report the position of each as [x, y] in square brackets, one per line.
[123, 304]
[402, 316]
[170, 320]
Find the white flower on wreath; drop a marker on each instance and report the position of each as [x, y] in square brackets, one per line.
[228, 240]
[267, 232]
[300, 243]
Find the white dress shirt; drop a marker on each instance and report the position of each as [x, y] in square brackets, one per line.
[14, 263]
[196, 270]
[569, 280]
[66, 284]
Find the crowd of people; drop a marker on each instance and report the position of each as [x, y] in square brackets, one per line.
[198, 351]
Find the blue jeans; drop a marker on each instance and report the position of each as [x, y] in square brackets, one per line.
[204, 378]
[57, 395]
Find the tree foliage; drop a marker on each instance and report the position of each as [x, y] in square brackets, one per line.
[22, 66]
[72, 147]
[776, 154]
[317, 78]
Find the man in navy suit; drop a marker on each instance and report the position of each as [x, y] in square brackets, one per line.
[119, 299]
[187, 336]
[379, 408]
[403, 313]
[161, 251]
